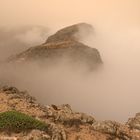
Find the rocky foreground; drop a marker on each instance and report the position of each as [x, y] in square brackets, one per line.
[62, 122]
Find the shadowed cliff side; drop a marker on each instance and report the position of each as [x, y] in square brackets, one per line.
[64, 45]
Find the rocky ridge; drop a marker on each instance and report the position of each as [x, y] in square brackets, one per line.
[64, 45]
[63, 122]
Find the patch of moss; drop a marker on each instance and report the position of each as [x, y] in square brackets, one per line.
[17, 121]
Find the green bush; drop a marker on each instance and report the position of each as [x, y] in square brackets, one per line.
[16, 121]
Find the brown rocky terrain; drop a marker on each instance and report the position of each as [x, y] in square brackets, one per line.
[63, 123]
[64, 45]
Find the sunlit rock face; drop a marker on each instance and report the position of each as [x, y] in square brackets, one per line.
[65, 46]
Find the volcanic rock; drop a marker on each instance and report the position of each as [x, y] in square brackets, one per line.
[63, 123]
[64, 45]
[134, 122]
[71, 33]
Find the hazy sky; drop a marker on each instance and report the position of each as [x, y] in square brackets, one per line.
[61, 12]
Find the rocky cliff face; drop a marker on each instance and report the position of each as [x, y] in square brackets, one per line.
[63, 123]
[64, 45]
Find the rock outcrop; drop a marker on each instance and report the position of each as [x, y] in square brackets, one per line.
[64, 45]
[134, 123]
[116, 130]
[63, 123]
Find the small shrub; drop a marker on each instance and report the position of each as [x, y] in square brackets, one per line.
[16, 121]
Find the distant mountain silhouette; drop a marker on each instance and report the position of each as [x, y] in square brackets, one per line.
[64, 45]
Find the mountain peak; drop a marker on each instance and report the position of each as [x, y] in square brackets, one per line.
[65, 45]
[70, 33]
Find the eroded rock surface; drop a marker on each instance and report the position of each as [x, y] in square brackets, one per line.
[134, 123]
[64, 46]
[63, 123]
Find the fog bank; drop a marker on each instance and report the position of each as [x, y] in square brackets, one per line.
[112, 92]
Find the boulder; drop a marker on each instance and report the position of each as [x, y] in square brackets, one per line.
[64, 114]
[134, 123]
[114, 129]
